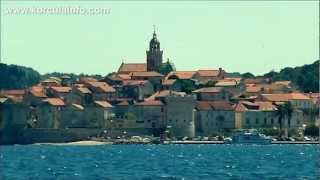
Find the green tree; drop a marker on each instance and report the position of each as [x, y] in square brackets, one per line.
[247, 75]
[167, 67]
[284, 112]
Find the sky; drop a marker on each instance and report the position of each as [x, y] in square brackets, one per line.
[238, 36]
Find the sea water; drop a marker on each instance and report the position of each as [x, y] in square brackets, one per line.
[160, 162]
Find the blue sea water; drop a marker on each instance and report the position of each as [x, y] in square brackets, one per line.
[160, 162]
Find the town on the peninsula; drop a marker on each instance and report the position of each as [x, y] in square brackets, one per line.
[151, 101]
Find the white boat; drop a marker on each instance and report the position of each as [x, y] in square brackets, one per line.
[250, 137]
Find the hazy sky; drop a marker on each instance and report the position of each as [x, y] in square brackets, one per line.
[237, 36]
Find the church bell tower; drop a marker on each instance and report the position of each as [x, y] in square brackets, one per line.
[154, 55]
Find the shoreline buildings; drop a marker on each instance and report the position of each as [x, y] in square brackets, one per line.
[149, 99]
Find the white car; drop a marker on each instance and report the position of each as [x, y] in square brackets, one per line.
[306, 138]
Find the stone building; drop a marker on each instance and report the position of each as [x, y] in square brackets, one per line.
[136, 89]
[214, 117]
[180, 115]
[212, 94]
[298, 100]
[171, 84]
[13, 118]
[263, 115]
[154, 54]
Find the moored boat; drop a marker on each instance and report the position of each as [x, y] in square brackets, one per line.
[250, 137]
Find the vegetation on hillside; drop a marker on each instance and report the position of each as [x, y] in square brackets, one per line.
[73, 76]
[17, 77]
[305, 77]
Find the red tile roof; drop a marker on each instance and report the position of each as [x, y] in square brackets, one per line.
[181, 74]
[226, 82]
[208, 90]
[61, 89]
[38, 91]
[284, 97]
[87, 79]
[260, 105]
[208, 73]
[84, 90]
[253, 89]
[168, 82]
[102, 86]
[214, 105]
[103, 104]
[164, 93]
[16, 92]
[132, 67]
[146, 74]
[134, 82]
[285, 83]
[123, 103]
[15, 95]
[54, 101]
[124, 76]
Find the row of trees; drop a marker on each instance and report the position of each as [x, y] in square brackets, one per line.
[17, 77]
[305, 77]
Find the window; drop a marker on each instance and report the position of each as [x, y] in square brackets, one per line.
[272, 121]
[265, 120]
[247, 121]
[257, 121]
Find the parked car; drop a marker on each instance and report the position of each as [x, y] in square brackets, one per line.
[306, 138]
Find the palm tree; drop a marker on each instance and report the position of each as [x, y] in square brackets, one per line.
[284, 112]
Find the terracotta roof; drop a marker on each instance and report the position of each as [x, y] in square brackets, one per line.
[226, 82]
[103, 104]
[15, 95]
[146, 74]
[150, 103]
[38, 91]
[102, 86]
[16, 92]
[208, 73]
[168, 82]
[256, 80]
[61, 89]
[299, 96]
[181, 74]
[54, 101]
[123, 103]
[124, 76]
[164, 93]
[134, 82]
[253, 89]
[132, 67]
[208, 90]
[261, 105]
[214, 105]
[285, 83]
[84, 90]
[237, 79]
[87, 79]
[52, 80]
[285, 97]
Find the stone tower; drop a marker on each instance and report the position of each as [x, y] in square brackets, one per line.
[154, 55]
